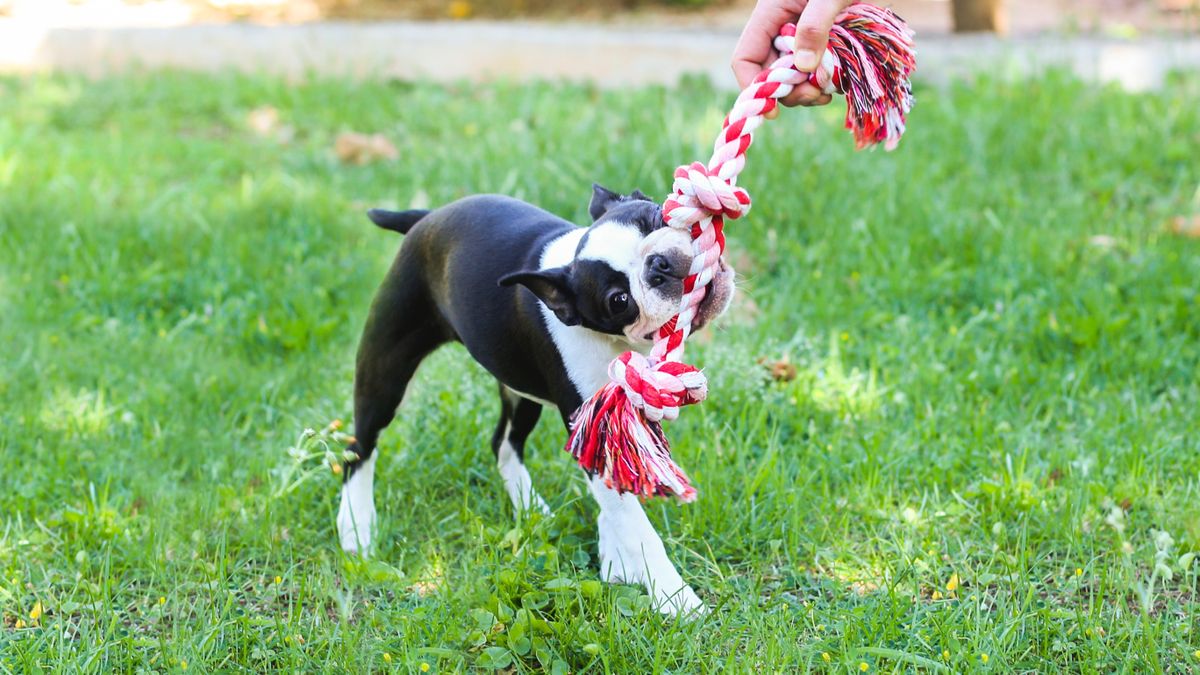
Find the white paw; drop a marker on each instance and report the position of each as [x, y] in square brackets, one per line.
[533, 502]
[671, 595]
[616, 566]
[682, 601]
[518, 483]
[355, 522]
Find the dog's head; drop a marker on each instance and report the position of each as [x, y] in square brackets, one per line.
[627, 274]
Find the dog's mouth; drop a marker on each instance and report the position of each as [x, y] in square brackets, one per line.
[715, 302]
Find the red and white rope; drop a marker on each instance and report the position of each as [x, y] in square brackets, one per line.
[869, 58]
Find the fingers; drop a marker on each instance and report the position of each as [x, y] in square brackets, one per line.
[812, 31]
[753, 49]
[806, 94]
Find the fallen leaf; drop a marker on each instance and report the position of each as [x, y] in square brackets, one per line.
[263, 120]
[781, 370]
[355, 148]
[1103, 241]
[1186, 226]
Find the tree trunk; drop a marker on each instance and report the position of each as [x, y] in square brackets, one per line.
[978, 15]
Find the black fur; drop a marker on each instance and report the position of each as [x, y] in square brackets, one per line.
[470, 272]
[397, 221]
[443, 287]
[518, 417]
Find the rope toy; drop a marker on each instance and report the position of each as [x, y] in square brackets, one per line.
[617, 434]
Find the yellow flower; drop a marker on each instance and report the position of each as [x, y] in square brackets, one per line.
[36, 612]
[1078, 571]
[983, 657]
[1196, 653]
[335, 425]
[162, 600]
[424, 667]
[845, 336]
[183, 664]
[387, 657]
[937, 595]
[864, 667]
[278, 579]
[336, 468]
[20, 623]
[826, 657]
[946, 654]
[952, 584]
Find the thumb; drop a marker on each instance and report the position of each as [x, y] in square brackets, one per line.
[812, 32]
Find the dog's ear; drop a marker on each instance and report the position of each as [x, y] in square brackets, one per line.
[551, 287]
[638, 194]
[603, 199]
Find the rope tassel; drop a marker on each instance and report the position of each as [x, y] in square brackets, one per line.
[617, 433]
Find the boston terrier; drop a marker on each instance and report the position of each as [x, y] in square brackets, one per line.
[544, 306]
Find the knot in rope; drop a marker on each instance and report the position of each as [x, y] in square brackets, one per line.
[660, 389]
[702, 193]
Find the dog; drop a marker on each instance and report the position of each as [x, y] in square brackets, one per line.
[543, 305]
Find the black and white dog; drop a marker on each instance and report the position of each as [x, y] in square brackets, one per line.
[544, 306]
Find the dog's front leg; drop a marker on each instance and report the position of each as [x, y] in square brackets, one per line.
[631, 552]
[356, 513]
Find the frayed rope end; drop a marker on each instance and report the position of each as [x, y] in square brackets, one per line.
[873, 57]
[612, 439]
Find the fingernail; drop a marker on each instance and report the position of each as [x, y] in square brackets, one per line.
[806, 60]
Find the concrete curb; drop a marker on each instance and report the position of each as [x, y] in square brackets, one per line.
[481, 51]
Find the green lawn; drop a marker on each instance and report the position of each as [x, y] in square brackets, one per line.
[991, 438]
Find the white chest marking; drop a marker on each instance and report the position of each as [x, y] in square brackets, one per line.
[585, 353]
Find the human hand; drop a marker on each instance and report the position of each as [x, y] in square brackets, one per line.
[755, 49]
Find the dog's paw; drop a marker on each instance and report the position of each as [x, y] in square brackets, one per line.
[535, 504]
[683, 602]
[616, 568]
[355, 526]
[671, 595]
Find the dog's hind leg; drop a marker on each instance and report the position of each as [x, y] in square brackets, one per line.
[518, 417]
[388, 355]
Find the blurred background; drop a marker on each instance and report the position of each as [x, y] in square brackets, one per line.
[611, 42]
[1018, 16]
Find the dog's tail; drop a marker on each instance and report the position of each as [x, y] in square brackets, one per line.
[396, 221]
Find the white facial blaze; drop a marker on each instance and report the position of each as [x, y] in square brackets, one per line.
[623, 247]
[659, 304]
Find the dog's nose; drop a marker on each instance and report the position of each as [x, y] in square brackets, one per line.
[658, 263]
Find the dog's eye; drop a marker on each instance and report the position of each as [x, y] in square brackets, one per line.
[618, 302]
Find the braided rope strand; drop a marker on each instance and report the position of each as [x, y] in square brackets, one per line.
[617, 433]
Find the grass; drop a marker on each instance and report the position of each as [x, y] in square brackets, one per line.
[989, 441]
